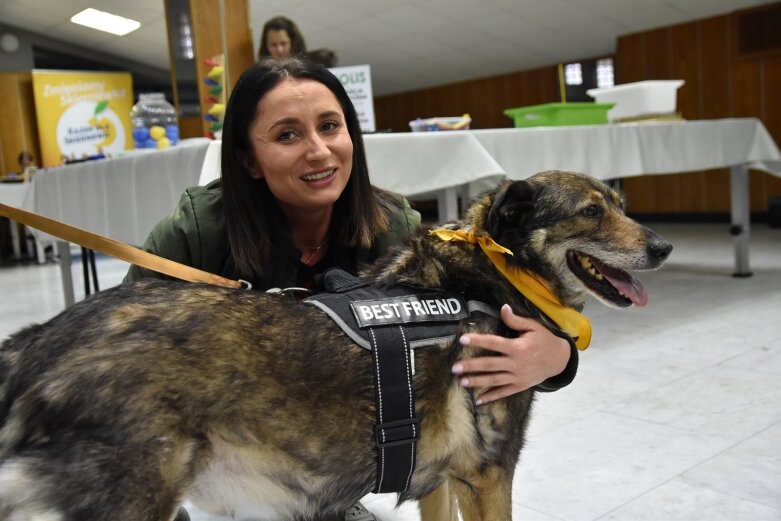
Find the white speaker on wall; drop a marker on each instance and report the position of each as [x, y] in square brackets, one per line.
[9, 43]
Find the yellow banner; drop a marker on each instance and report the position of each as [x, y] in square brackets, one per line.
[82, 114]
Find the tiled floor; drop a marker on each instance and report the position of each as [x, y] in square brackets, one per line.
[675, 413]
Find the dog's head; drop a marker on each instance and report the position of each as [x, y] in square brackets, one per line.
[571, 229]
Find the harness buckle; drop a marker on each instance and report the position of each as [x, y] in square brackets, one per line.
[292, 291]
[401, 432]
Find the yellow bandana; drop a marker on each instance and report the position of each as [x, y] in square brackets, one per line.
[530, 285]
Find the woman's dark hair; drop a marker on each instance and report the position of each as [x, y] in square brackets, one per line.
[280, 23]
[254, 219]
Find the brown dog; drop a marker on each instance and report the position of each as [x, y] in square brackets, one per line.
[259, 407]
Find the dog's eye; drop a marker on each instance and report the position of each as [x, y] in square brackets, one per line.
[592, 210]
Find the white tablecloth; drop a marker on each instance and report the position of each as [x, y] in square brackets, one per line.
[446, 162]
[413, 163]
[123, 197]
[12, 194]
[421, 162]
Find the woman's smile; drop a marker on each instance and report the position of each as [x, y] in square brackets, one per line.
[320, 176]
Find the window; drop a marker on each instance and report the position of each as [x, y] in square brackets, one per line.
[573, 74]
[605, 76]
[581, 76]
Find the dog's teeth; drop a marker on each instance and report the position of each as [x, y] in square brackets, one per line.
[585, 263]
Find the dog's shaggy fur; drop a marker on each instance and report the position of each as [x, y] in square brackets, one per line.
[259, 407]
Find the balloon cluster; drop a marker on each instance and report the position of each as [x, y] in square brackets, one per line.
[156, 136]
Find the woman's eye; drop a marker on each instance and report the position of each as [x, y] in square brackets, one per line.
[592, 210]
[330, 125]
[286, 136]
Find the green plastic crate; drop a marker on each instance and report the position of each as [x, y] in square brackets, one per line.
[560, 114]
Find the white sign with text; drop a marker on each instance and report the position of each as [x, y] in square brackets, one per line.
[357, 81]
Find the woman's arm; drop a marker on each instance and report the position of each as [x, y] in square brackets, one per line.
[537, 357]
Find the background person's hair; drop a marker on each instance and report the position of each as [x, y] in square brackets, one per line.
[325, 57]
[280, 23]
[25, 157]
[254, 219]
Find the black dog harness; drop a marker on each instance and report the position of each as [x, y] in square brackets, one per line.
[391, 323]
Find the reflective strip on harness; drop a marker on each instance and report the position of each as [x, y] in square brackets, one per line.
[397, 428]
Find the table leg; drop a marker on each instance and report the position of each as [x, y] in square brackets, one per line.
[447, 204]
[40, 252]
[741, 219]
[64, 255]
[15, 239]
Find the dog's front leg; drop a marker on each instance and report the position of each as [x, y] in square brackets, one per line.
[485, 495]
[440, 505]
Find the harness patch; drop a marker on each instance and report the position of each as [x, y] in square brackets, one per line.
[444, 307]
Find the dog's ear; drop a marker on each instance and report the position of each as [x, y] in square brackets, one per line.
[511, 206]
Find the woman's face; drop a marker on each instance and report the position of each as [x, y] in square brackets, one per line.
[278, 43]
[301, 146]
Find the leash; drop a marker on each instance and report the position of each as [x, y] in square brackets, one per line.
[119, 250]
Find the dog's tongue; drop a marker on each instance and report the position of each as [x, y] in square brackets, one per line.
[624, 282]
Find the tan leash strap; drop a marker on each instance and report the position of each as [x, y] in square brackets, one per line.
[117, 249]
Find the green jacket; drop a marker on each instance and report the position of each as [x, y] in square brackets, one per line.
[195, 234]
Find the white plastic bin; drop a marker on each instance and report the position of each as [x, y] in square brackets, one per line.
[641, 98]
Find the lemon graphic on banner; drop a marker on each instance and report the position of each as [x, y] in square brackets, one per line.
[103, 124]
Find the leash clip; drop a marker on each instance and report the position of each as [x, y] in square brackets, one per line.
[292, 291]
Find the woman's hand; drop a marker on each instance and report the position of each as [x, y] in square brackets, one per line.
[531, 358]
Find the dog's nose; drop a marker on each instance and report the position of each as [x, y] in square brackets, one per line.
[659, 249]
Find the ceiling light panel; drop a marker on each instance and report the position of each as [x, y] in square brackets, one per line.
[107, 22]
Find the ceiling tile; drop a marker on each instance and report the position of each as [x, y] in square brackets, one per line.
[707, 8]
[370, 7]
[79, 35]
[62, 9]
[18, 15]
[411, 44]
[154, 31]
[413, 18]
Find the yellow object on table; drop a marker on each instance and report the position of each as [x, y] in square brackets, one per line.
[157, 132]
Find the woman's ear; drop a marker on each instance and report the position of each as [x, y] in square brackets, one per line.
[251, 166]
